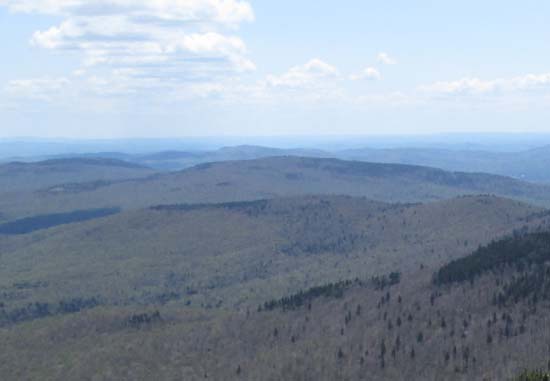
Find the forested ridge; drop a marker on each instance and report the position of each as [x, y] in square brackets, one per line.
[182, 282]
[519, 251]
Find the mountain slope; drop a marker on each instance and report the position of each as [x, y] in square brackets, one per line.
[240, 254]
[529, 165]
[19, 176]
[178, 160]
[410, 329]
[269, 178]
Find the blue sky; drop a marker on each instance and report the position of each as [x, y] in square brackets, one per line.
[156, 68]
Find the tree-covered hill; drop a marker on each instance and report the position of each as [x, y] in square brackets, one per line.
[520, 252]
[234, 181]
[236, 254]
[313, 288]
[18, 178]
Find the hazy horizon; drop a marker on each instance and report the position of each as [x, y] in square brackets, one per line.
[38, 147]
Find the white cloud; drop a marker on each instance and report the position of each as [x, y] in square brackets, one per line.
[160, 50]
[43, 89]
[156, 43]
[313, 81]
[312, 73]
[501, 86]
[370, 73]
[386, 59]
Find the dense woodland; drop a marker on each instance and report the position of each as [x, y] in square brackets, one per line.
[534, 376]
[39, 310]
[521, 252]
[248, 286]
[520, 264]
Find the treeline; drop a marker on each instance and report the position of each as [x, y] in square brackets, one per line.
[31, 224]
[139, 321]
[381, 282]
[534, 376]
[532, 285]
[519, 251]
[80, 187]
[39, 310]
[251, 208]
[329, 290]
[94, 161]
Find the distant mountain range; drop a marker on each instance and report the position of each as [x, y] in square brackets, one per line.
[31, 176]
[529, 165]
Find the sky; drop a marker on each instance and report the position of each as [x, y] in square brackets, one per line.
[183, 68]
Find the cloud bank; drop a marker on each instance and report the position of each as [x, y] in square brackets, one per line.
[151, 43]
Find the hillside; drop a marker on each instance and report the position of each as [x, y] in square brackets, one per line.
[20, 176]
[269, 178]
[488, 329]
[236, 270]
[178, 160]
[240, 254]
[528, 165]
[409, 328]
[175, 160]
